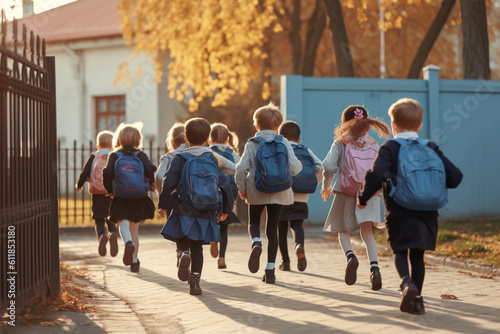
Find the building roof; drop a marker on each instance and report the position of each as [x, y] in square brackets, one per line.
[79, 20]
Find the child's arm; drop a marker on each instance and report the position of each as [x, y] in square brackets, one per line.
[453, 173]
[227, 195]
[243, 168]
[149, 167]
[318, 166]
[85, 174]
[109, 172]
[170, 181]
[331, 166]
[294, 163]
[375, 177]
[228, 167]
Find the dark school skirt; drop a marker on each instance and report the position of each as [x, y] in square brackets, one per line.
[412, 232]
[194, 228]
[296, 211]
[100, 206]
[134, 210]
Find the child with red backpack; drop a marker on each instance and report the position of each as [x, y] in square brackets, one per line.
[352, 155]
[196, 195]
[225, 143]
[414, 175]
[92, 172]
[264, 179]
[304, 183]
[127, 177]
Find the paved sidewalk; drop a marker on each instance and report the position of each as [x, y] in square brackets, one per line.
[236, 301]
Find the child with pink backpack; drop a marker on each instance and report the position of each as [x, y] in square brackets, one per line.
[352, 155]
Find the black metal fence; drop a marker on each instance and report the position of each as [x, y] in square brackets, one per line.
[75, 207]
[29, 246]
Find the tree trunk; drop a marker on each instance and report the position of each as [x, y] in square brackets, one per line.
[339, 36]
[316, 26]
[295, 37]
[476, 56]
[429, 40]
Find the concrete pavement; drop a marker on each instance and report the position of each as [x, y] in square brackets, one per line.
[236, 301]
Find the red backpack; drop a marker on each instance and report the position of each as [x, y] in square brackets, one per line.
[95, 183]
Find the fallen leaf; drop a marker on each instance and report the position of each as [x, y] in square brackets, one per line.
[447, 296]
[49, 323]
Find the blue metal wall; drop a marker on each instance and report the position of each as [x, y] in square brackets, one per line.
[462, 116]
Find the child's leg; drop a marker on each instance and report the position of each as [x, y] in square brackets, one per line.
[134, 231]
[417, 268]
[254, 213]
[298, 231]
[223, 240]
[99, 227]
[401, 263]
[273, 217]
[370, 244]
[371, 249]
[124, 226]
[196, 248]
[183, 258]
[408, 288]
[282, 240]
[111, 226]
[352, 262]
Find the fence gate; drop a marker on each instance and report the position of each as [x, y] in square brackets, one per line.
[29, 243]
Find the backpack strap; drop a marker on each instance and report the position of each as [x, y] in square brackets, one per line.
[260, 139]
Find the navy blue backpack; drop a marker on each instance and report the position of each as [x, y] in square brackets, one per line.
[421, 178]
[306, 181]
[228, 154]
[129, 181]
[198, 187]
[273, 171]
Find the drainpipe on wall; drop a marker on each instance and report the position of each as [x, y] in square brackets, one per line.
[80, 69]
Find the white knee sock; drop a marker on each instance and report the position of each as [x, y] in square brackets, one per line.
[370, 244]
[124, 226]
[345, 241]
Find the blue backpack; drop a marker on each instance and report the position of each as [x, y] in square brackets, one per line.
[421, 177]
[273, 171]
[198, 187]
[129, 181]
[228, 154]
[305, 182]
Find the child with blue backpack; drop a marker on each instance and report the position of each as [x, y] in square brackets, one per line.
[92, 172]
[196, 195]
[225, 143]
[414, 175]
[304, 183]
[264, 179]
[127, 177]
[352, 154]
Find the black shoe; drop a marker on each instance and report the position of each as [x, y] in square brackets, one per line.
[408, 293]
[285, 266]
[134, 267]
[350, 271]
[254, 260]
[113, 244]
[103, 240]
[128, 252]
[301, 257]
[269, 276]
[376, 279]
[183, 268]
[418, 307]
[194, 284]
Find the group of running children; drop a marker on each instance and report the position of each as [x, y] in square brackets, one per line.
[200, 177]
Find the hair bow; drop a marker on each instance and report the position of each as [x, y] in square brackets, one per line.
[358, 113]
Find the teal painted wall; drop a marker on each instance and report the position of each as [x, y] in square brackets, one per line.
[461, 116]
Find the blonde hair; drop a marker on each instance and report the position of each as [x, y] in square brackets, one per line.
[268, 117]
[104, 139]
[406, 113]
[175, 136]
[128, 135]
[356, 123]
[219, 134]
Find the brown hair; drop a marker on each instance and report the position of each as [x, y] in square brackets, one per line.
[268, 117]
[356, 123]
[197, 130]
[175, 136]
[128, 135]
[406, 113]
[105, 139]
[290, 130]
[219, 134]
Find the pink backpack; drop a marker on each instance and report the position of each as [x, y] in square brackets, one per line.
[359, 157]
[95, 183]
